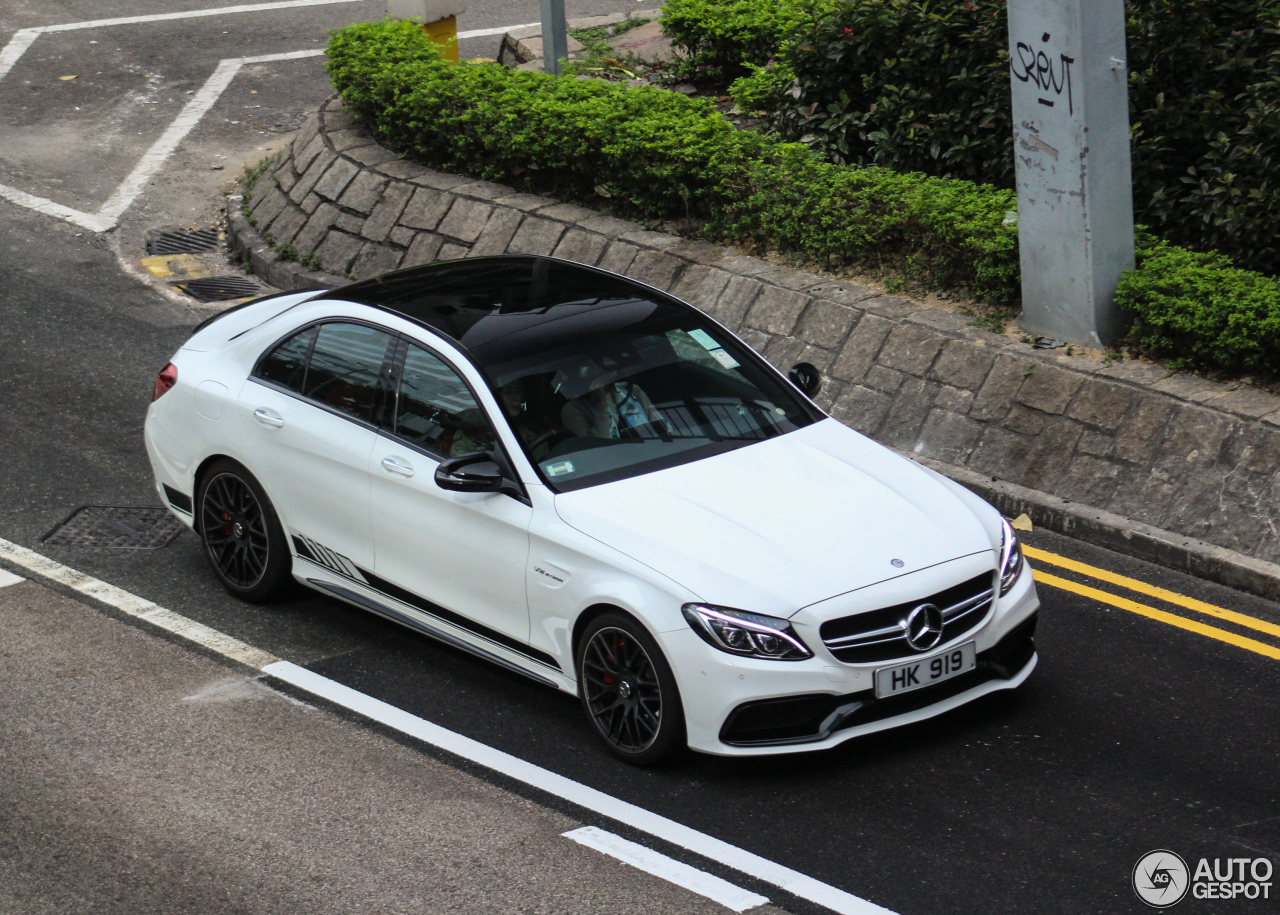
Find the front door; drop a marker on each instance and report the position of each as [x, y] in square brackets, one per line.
[460, 556]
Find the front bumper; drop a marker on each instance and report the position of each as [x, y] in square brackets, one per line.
[816, 717]
[745, 707]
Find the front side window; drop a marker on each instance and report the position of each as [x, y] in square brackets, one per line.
[435, 409]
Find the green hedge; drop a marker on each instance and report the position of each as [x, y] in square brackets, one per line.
[722, 38]
[661, 154]
[1196, 309]
[654, 151]
[936, 232]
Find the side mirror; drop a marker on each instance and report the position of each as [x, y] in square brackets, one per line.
[806, 377]
[471, 473]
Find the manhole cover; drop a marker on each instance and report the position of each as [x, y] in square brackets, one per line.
[116, 527]
[218, 288]
[182, 241]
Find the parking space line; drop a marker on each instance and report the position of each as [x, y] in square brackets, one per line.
[1172, 619]
[110, 212]
[23, 38]
[1171, 597]
[8, 578]
[697, 881]
[588, 798]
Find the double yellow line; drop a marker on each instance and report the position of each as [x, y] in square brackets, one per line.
[1169, 597]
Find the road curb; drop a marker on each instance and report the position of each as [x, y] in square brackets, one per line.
[1122, 535]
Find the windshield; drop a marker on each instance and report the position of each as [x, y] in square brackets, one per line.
[604, 389]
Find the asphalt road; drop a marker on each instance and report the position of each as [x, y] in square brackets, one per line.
[1132, 734]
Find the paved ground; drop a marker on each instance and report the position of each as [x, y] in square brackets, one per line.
[142, 778]
[1132, 735]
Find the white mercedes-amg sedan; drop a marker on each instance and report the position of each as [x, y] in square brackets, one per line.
[585, 480]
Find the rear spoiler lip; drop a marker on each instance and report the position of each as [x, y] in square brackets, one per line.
[234, 308]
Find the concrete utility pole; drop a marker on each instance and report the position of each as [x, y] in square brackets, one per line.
[438, 19]
[555, 36]
[1071, 142]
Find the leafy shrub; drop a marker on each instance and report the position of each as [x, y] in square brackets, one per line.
[923, 85]
[915, 85]
[1196, 309]
[936, 232]
[1204, 104]
[724, 37]
[761, 90]
[661, 153]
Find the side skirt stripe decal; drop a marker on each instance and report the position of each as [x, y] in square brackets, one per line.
[308, 549]
[419, 626]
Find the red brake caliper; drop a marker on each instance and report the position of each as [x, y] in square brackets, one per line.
[226, 531]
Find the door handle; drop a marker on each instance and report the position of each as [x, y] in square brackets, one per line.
[394, 466]
[268, 418]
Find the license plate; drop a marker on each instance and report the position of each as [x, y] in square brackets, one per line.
[902, 678]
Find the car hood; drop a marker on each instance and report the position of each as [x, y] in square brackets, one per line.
[788, 522]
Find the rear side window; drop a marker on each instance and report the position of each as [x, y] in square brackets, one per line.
[286, 365]
[335, 364]
[435, 409]
[346, 361]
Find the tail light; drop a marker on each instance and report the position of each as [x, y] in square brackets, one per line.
[167, 378]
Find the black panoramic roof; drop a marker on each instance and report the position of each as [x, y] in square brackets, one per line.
[457, 297]
[501, 309]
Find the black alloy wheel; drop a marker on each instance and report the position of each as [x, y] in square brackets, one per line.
[242, 537]
[628, 690]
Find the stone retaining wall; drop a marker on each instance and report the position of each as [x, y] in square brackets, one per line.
[1170, 451]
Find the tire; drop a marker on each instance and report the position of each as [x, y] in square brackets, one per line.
[241, 534]
[628, 691]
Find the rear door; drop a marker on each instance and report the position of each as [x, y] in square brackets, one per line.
[310, 415]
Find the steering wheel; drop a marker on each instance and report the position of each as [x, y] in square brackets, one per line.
[554, 436]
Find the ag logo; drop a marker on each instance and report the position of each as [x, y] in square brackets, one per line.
[1161, 878]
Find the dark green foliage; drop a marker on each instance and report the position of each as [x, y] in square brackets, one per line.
[1204, 103]
[723, 37]
[936, 232]
[660, 153]
[1197, 310]
[913, 85]
[923, 85]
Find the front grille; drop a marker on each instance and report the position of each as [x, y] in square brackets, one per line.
[881, 635]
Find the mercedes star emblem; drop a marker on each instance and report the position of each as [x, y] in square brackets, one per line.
[924, 627]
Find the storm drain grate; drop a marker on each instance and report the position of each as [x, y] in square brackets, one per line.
[218, 288]
[116, 527]
[182, 241]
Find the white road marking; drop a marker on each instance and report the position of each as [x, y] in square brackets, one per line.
[586, 797]
[23, 38]
[135, 606]
[110, 212]
[727, 894]
[195, 109]
[8, 578]
[500, 30]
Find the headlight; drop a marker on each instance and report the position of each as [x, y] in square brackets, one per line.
[751, 635]
[1010, 559]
